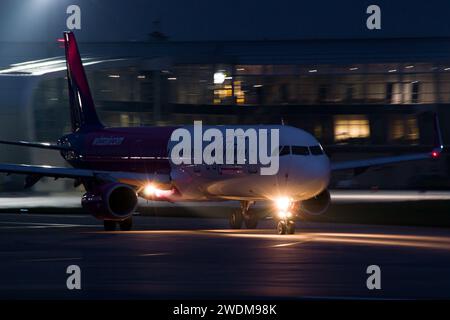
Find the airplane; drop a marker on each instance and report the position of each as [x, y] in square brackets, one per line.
[116, 166]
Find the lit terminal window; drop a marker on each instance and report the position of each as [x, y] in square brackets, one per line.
[223, 93]
[124, 120]
[239, 93]
[351, 127]
[318, 130]
[404, 129]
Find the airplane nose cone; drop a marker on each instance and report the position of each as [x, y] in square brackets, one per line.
[306, 179]
[320, 168]
[318, 171]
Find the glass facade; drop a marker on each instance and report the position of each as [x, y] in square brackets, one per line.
[414, 83]
[182, 93]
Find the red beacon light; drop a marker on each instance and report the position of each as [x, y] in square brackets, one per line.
[435, 154]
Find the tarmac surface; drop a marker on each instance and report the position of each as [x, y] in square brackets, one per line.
[195, 258]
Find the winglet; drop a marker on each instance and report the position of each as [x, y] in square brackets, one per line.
[438, 145]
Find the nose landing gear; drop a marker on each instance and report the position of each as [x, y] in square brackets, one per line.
[284, 215]
[286, 227]
[285, 218]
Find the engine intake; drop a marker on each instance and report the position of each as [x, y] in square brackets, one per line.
[112, 202]
[317, 205]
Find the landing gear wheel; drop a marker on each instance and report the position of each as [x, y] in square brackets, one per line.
[281, 227]
[251, 222]
[290, 227]
[127, 224]
[236, 220]
[109, 225]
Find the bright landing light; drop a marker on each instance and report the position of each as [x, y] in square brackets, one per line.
[284, 214]
[283, 203]
[150, 190]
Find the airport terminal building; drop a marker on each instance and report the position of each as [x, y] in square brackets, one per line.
[359, 97]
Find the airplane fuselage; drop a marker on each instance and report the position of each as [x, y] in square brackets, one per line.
[303, 170]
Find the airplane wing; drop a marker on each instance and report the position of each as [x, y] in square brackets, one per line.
[48, 171]
[35, 173]
[363, 164]
[358, 164]
[40, 145]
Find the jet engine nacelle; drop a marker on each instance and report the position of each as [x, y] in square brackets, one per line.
[114, 201]
[317, 205]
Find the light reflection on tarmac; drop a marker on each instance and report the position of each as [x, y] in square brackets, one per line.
[72, 200]
[339, 196]
[201, 258]
[430, 242]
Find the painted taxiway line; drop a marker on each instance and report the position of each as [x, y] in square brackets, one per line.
[18, 225]
[157, 254]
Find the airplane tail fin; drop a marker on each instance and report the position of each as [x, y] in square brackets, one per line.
[82, 107]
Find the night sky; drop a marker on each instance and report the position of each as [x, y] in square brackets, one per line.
[118, 20]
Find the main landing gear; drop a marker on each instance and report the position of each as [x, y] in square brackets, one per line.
[124, 225]
[244, 215]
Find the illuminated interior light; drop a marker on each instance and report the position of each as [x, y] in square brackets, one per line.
[392, 70]
[346, 127]
[115, 76]
[32, 62]
[45, 66]
[447, 69]
[312, 71]
[219, 77]
[353, 69]
[409, 67]
[172, 79]
[257, 86]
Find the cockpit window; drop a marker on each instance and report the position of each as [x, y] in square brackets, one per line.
[284, 150]
[299, 150]
[316, 150]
